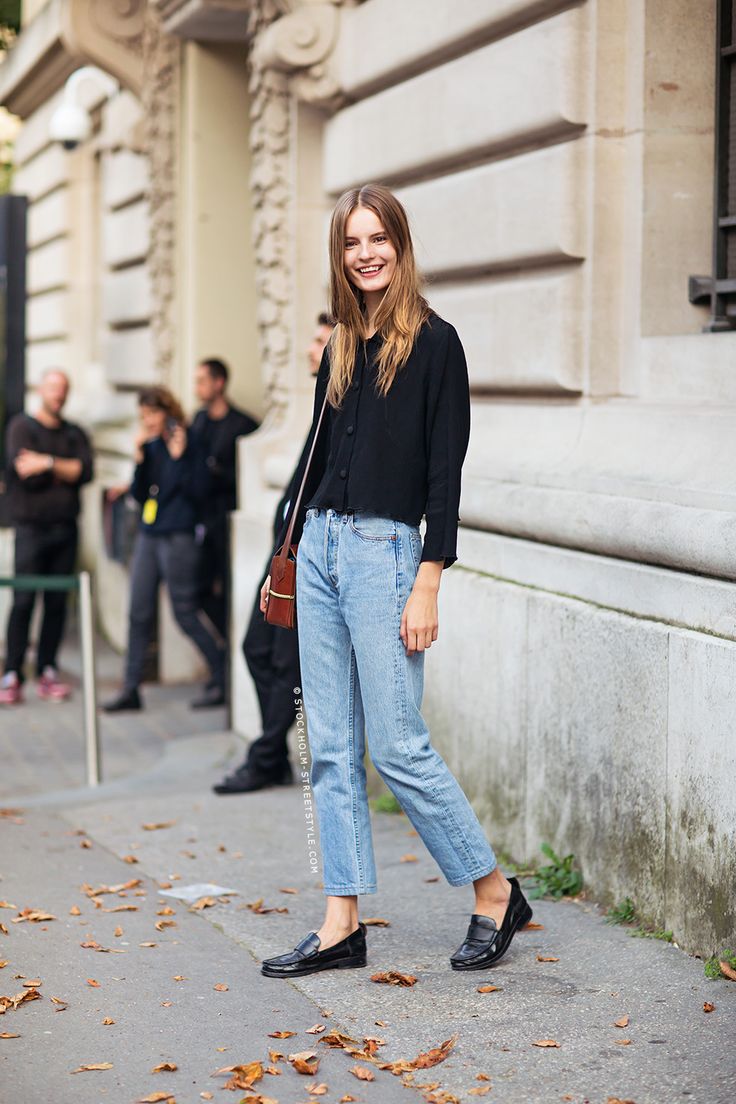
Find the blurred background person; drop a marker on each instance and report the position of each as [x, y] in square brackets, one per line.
[48, 460]
[216, 429]
[170, 483]
[272, 656]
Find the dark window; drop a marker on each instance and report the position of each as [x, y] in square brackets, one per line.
[719, 289]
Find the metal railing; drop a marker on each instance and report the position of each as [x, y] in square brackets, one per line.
[82, 584]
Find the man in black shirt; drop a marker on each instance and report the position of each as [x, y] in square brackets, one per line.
[272, 656]
[216, 429]
[48, 459]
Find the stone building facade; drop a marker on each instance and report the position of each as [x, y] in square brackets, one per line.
[556, 159]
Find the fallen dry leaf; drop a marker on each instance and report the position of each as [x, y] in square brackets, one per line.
[121, 908]
[479, 1090]
[161, 925]
[425, 1060]
[165, 1067]
[166, 1004]
[20, 998]
[482, 1077]
[3, 963]
[9, 1035]
[282, 1034]
[4, 930]
[61, 1005]
[288, 889]
[180, 977]
[260, 909]
[346, 1099]
[708, 1007]
[623, 1022]
[86, 844]
[75, 911]
[435, 879]
[376, 922]
[202, 903]
[118, 931]
[157, 1098]
[726, 970]
[166, 911]
[243, 1076]
[305, 1061]
[121, 888]
[547, 958]
[317, 1029]
[92, 1066]
[221, 987]
[622, 1042]
[130, 859]
[546, 1043]
[206, 1095]
[408, 858]
[531, 926]
[489, 989]
[154, 825]
[107, 1022]
[317, 1090]
[7, 904]
[393, 977]
[362, 1073]
[617, 1100]
[148, 944]
[93, 983]
[34, 984]
[273, 1071]
[35, 916]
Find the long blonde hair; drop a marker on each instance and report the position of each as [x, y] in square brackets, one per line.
[403, 308]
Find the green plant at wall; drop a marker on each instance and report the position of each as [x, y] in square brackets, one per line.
[9, 22]
[714, 967]
[385, 803]
[558, 878]
[625, 913]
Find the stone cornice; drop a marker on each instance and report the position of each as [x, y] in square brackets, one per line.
[205, 20]
[65, 35]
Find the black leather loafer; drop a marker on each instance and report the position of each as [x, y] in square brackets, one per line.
[244, 780]
[307, 958]
[485, 944]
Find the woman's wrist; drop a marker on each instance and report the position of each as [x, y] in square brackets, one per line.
[429, 575]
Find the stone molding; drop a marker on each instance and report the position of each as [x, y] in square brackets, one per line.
[65, 35]
[160, 99]
[291, 45]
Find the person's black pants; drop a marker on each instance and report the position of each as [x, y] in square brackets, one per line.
[40, 550]
[173, 558]
[214, 584]
[272, 655]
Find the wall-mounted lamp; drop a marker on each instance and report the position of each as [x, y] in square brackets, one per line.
[70, 123]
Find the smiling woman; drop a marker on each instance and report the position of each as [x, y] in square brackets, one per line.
[396, 386]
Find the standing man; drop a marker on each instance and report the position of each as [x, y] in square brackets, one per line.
[272, 656]
[216, 429]
[48, 460]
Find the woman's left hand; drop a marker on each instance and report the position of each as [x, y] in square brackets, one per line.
[177, 442]
[420, 620]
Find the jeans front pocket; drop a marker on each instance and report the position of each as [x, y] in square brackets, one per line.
[369, 527]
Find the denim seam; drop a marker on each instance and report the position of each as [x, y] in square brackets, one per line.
[468, 858]
[351, 766]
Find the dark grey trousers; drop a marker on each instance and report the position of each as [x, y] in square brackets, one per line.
[174, 559]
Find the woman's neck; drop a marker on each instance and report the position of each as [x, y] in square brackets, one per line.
[372, 300]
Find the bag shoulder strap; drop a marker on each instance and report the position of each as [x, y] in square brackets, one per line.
[283, 554]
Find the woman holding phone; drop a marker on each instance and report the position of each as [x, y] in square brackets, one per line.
[389, 452]
[169, 482]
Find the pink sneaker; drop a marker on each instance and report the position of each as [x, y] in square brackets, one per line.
[51, 688]
[11, 691]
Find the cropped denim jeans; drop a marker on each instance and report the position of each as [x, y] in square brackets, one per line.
[355, 572]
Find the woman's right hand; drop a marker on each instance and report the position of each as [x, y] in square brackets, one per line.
[140, 439]
[264, 593]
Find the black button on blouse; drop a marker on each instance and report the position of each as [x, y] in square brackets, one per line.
[400, 455]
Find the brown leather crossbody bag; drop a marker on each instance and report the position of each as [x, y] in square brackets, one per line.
[281, 598]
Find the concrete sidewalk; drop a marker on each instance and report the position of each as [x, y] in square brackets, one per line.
[166, 1008]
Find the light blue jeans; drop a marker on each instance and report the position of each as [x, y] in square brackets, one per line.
[354, 575]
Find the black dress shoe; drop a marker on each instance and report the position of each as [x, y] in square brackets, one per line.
[307, 958]
[211, 697]
[485, 944]
[245, 780]
[126, 701]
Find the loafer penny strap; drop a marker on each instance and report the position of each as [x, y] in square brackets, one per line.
[308, 946]
[482, 929]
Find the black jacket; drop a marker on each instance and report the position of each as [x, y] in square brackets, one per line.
[217, 440]
[178, 486]
[399, 456]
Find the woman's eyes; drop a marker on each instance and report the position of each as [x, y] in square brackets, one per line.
[379, 239]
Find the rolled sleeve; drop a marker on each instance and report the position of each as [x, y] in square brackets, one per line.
[448, 436]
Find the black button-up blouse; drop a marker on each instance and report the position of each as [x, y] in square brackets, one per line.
[398, 456]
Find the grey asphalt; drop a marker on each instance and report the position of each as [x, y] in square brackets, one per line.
[258, 845]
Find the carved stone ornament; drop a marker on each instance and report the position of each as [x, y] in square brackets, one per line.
[108, 33]
[292, 42]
